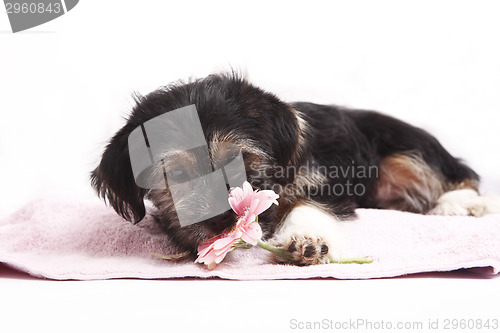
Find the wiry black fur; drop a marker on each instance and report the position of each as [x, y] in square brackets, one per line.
[228, 104]
[344, 137]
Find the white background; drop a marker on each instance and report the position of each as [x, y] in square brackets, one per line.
[65, 87]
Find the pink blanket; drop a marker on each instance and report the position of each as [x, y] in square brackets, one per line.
[84, 240]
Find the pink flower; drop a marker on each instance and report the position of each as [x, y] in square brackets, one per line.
[247, 204]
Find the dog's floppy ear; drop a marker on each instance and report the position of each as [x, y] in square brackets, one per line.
[114, 181]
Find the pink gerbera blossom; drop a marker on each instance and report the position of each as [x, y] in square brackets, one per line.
[247, 204]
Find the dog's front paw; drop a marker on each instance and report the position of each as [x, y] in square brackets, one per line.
[304, 251]
[309, 235]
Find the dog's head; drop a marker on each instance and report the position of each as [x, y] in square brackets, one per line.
[264, 131]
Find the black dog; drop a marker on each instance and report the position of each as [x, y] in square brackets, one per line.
[316, 157]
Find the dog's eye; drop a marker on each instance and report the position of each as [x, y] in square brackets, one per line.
[177, 175]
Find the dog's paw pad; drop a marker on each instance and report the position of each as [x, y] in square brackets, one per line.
[305, 251]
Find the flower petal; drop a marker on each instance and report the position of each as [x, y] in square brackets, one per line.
[236, 205]
[247, 204]
[207, 258]
[223, 242]
[226, 249]
[244, 221]
[203, 249]
[240, 198]
[265, 200]
[267, 195]
[220, 257]
[247, 188]
[253, 206]
[252, 234]
[237, 193]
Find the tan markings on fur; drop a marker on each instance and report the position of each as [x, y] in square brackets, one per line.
[222, 137]
[178, 158]
[303, 129]
[408, 183]
[302, 132]
[245, 144]
[465, 184]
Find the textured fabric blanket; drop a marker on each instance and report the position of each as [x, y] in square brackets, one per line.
[85, 240]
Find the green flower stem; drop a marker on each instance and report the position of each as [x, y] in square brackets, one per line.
[286, 255]
[364, 260]
[175, 256]
[275, 250]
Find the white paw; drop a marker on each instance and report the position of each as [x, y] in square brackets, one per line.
[466, 202]
[309, 235]
[304, 251]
